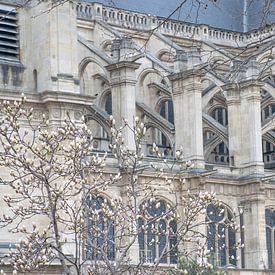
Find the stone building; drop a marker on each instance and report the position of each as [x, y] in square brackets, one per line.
[209, 90]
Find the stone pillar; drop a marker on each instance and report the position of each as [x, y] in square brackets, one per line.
[186, 89]
[123, 88]
[244, 122]
[234, 127]
[255, 251]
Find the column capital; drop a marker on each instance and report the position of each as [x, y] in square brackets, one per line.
[187, 74]
[237, 86]
[123, 73]
[123, 64]
[249, 89]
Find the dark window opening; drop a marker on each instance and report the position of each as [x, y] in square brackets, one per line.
[8, 34]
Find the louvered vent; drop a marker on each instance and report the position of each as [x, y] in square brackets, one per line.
[8, 33]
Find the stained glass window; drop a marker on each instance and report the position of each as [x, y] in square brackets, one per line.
[157, 237]
[221, 237]
[101, 231]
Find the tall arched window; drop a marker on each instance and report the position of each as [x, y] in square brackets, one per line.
[221, 237]
[100, 229]
[157, 234]
[270, 236]
[108, 104]
[167, 110]
[220, 114]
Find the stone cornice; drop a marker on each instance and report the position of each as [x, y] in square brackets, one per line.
[63, 97]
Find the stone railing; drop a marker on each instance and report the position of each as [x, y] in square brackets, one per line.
[143, 22]
[219, 158]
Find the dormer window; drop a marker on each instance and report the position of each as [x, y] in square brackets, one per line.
[8, 33]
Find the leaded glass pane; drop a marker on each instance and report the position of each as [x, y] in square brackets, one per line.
[157, 209]
[170, 111]
[162, 109]
[162, 241]
[108, 104]
[211, 237]
[221, 245]
[151, 241]
[214, 213]
[173, 242]
[232, 246]
[269, 247]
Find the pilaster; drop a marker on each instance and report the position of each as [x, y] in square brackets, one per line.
[244, 120]
[187, 100]
[255, 251]
[123, 85]
[244, 126]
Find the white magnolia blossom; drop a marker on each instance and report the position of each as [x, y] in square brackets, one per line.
[55, 176]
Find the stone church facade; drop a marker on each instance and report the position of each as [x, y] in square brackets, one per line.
[209, 90]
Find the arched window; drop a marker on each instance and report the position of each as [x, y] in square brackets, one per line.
[221, 237]
[167, 110]
[270, 236]
[108, 104]
[220, 114]
[100, 229]
[157, 234]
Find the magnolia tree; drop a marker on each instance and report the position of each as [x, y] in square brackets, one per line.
[55, 181]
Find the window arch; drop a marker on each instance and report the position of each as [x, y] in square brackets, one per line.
[157, 233]
[270, 236]
[100, 228]
[167, 110]
[221, 237]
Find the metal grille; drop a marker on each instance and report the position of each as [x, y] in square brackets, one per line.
[8, 33]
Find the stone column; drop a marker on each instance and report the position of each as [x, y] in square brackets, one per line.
[186, 89]
[244, 122]
[234, 127]
[123, 88]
